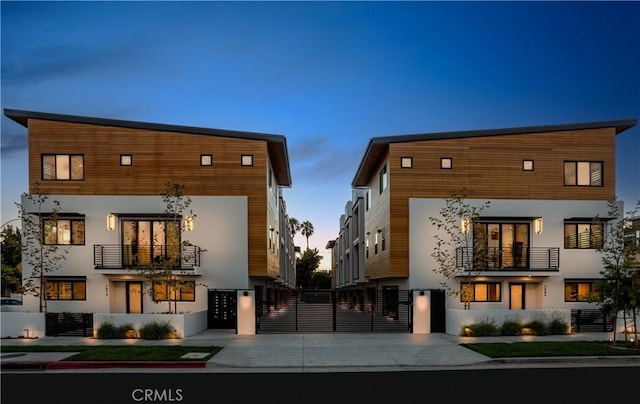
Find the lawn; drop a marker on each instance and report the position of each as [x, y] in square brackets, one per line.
[119, 353]
[546, 349]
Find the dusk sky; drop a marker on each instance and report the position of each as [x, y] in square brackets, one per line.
[327, 75]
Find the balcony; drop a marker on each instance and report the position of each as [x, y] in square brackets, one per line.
[509, 259]
[118, 256]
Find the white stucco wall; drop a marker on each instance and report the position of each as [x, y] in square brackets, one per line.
[221, 228]
[574, 263]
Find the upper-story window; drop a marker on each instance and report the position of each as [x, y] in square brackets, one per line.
[63, 231]
[583, 235]
[384, 179]
[368, 203]
[583, 173]
[63, 167]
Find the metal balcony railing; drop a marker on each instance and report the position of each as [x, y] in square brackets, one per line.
[118, 256]
[508, 259]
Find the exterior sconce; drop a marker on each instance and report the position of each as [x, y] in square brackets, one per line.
[245, 293]
[422, 293]
[111, 222]
[465, 223]
[537, 225]
[189, 223]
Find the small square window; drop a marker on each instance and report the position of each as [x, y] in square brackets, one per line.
[246, 160]
[206, 160]
[406, 162]
[126, 160]
[527, 165]
[446, 163]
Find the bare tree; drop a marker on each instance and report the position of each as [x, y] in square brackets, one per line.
[40, 246]
[460, 251]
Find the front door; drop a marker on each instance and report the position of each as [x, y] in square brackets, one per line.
[134, 297]
[516, 296]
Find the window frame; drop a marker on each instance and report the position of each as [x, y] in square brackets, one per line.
[489, 292]
[55, 157]
[126, 160]
[246, 160]
[168, 292]
[576, 234]
[446, 163]
[575, 181]
[528, 165]
[79, 229]
[579, 297]
[406, 162]
[206, 160]
[55, 294]
[383, 178]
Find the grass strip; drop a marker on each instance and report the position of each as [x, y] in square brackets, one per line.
[547, 349]
[120, 353]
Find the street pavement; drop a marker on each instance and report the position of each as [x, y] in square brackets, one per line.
[300, 353]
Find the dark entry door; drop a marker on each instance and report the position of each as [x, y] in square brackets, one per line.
[222, 309]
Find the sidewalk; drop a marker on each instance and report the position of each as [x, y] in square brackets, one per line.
[329, 352]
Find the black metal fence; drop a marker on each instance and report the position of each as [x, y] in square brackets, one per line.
[68, 324]
[318, 311]
[590, 320]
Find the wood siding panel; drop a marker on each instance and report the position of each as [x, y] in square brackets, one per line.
[490, 168]
[158, 157]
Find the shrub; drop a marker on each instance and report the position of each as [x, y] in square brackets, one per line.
[537, 327]
[109, 331]
[483, 328]
[558, 326]
[511, 327]
[156, 330]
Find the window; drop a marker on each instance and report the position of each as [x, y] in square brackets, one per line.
[151, 243]
[406, 162]
[375, 243]
[527, 165]
[206, 160]
[583, 173]
[366, 244]
[583, 235]
[446, 163]
[126, 160]
[182, 291]
[368, 199]
[383, 178]
[63, 231]
[66, 289]
[246, 160]
[383, 237]
[481, 292]
[579, 291]
[63, 167]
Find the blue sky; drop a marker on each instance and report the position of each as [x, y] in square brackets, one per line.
[327, 75]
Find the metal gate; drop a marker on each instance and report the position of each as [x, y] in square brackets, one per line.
[318, 311]
[222, 313]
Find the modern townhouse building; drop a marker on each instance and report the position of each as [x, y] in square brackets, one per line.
[544, 186]
[108, 176]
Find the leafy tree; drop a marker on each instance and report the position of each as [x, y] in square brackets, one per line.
[165, 271]
[306, 229]
[458, 243]
[11, 248]
[11, 260]
[321, 280]
[306, 265]
[39, 219]
[619, 289]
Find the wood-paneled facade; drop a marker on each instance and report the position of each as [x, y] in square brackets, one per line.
[487, 163]
[167, 153]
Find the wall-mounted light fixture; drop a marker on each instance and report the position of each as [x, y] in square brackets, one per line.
[245, 293]
[465, 224]
[537, 225]
[111, 222]
[189, 222]
[422, 293]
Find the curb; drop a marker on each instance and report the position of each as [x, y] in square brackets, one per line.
[60, 365]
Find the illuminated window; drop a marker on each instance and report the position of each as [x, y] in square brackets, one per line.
[384, 178]
[246, 160]
[66, 289]
[446, 163]
[406, 162]
[581, 291]
[182, 291]
[63, 167]
[206, 160]
[527, 165]
[583, 235]
[126, 160]
[481, 292]
[63, 231]
[583, 173]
